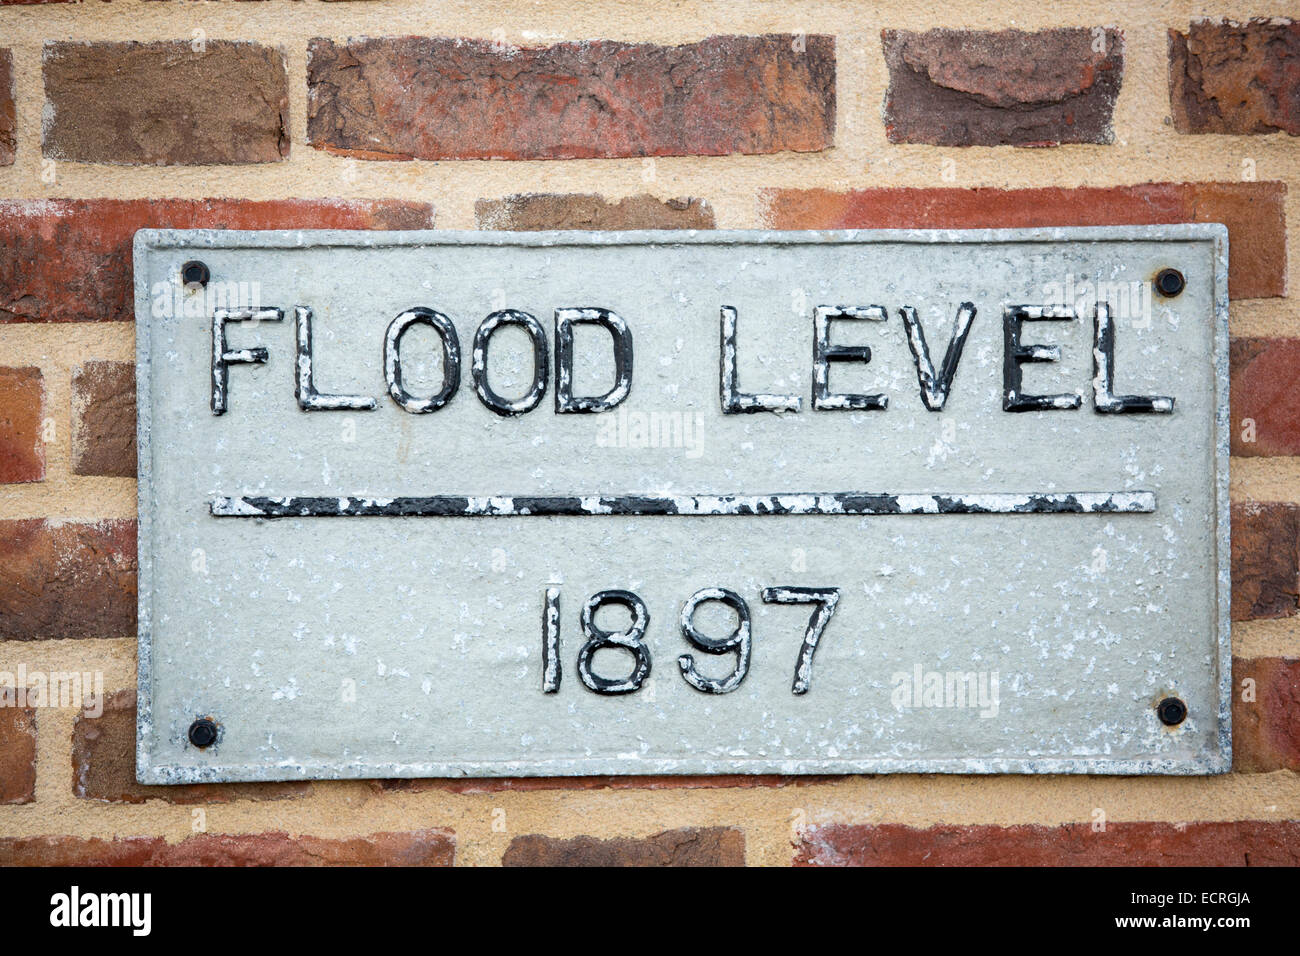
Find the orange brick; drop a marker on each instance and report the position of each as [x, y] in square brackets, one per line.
[17, 754]
[1254, 213]
[432, 847]
[67, 579]
[22, 409]
[1235, 843]
[1265, 729]
[69, 260]
[716, 846]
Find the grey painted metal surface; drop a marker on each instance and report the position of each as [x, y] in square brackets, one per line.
[938, 584]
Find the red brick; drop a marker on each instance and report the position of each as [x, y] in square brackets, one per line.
[717, 846]
[1254, 213]
[1265, 560]
[440, 98]
[8, 114]
[535, 211]
[67, 579]
[1003, 88]
[1266, 389]
[22, 409]
[1227, 77]
[69, 260]
[1235, 843]
[433, 847]
[103, 419]
[17, 753]
[103, 765]
[1266, 730]
[164, 104]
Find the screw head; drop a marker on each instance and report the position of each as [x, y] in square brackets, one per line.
[203, 732]
[195, 273]
[1170, 282]
[1171, 711]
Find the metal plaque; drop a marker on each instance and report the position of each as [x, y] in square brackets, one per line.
[489, 504]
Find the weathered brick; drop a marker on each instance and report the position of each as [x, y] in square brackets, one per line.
[441, 98]
[1265, 375]
[1265, 560]
[1255, 214]
[1227, 77]
[431, 847]
[1234, 843]
[1003, 88]
[164, 104]
[530, 212]
[8, 113]
[67, 579]
[22, 409]
[17, 753]
[714, 846]
[103, 419]
[69, 260]
[103, 765]
[1266, 730]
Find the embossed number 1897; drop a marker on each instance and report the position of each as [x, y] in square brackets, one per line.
[631, 639]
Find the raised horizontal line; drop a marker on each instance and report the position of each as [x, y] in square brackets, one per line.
[799, 503]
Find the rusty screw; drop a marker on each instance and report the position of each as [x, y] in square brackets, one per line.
[1170, 282]
[1171, 711]
[195, 273]
[203, 732]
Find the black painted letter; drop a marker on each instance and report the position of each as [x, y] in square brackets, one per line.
[934, 388]
[1014, 354]
[735, 401]
[478, 367]
[565, 400]
[824, 353]
[223, 357]
[393, 360]
[310, 400]
[1103, 373]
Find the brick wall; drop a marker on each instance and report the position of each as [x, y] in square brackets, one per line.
[115, 116]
